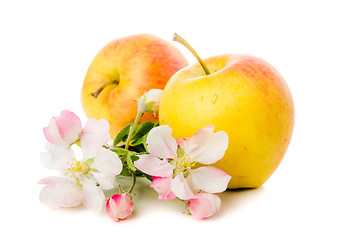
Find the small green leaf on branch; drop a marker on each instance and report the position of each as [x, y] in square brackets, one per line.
[141, 140]
[120, 151]
[143, 129]
[122, 135]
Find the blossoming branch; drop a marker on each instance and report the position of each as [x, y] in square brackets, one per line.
[175, 167]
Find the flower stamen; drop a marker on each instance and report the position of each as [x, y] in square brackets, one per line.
[183, 162]
[77, 167]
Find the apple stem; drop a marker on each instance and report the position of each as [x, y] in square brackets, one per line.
[99, 90]
[179, 39]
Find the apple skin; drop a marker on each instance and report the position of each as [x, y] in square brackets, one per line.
[243, 96]
[140, 63]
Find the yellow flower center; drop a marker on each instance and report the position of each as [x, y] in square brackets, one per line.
[183, 162]
[77, 167]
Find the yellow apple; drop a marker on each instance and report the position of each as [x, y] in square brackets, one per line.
[124, 70]
[243, 96]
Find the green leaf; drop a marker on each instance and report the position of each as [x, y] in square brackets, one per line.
[134, 157]
[138, 148]
[149, 177]
[142, 130]
[120, 151]
[141, 140]
[122, 135]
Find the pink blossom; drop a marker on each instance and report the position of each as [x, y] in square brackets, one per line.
[204, 205]
[64, 129]
[84, 179]
[119, 206]
[174, 160]
[98, 163]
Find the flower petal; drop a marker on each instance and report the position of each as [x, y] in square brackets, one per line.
[153, 166]
[60, 192]
[95, 134]
[64, 129]
[93, 196]
[51, 132]
[69, 126]
[205, 146]
[181, 188]
[162, 186]
[107, 166]
[210, 179]
[204, 206]
[58, 157]
[161, 143]
[119, 206]
[150, 101]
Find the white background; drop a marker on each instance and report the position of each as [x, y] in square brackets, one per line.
[46, 48]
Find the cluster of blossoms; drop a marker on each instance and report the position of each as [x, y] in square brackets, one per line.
[81, 181]
[170, 163]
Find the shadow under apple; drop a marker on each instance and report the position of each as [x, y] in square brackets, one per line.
[233, 199]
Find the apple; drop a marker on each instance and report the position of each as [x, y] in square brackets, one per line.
[241, 95]
[122, 71]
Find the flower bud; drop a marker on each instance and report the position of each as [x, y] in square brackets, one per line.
[64, 129]
[204, 205]
[150, 101]
[119, 206]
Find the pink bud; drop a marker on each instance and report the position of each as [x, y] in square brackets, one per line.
[64, 129]
[204, 205]
[119, 206]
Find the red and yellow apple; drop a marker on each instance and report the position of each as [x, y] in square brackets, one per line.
[122, 71]
[243, 96]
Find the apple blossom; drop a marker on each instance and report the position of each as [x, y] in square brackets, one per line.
[174, 160]
[150, 101]
[83, 180]
[204, 205]
[119, 206]
[64, 192]
[103, 167]
[64, 129]
[98, 163]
